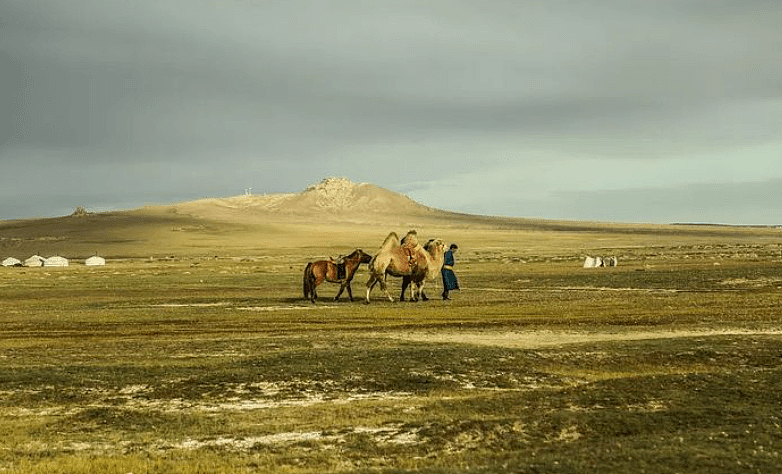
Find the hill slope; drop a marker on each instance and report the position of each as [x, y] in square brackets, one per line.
[331, 200]
[332, 214]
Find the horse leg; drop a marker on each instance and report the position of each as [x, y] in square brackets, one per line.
[307, 281]
[350, 291]
[311, 293]
[370, 284]
[341, 289]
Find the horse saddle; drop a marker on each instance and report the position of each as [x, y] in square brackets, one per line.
[411, 260]
[340, 265]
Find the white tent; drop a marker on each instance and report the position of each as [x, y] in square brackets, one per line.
[11, 262]
[95, 260]
[34, 261]
[56, 261]
[595, 262]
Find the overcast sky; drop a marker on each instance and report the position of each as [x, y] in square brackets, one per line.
[626, 110]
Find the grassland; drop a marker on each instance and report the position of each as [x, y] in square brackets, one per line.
[210, 360]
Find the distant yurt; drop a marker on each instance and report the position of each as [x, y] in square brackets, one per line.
[34, 261]
[56, 261]
[95, 260]
[11, 262]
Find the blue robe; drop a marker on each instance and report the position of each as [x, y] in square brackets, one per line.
[449, 277]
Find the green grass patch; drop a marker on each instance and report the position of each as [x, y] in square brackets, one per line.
[172, 367]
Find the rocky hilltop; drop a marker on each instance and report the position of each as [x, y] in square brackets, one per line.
[335, 193]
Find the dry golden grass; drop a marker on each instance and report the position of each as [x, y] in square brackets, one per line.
[206, 358]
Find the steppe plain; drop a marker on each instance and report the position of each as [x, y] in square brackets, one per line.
[193, 351]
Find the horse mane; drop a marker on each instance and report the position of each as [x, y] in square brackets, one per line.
[354, 254]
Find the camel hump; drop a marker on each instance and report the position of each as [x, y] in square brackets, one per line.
[391, 237]
[410, 240]
[391, 241]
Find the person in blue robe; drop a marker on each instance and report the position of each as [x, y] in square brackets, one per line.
[449, 277]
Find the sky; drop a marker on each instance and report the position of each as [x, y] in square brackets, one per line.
[610, 110]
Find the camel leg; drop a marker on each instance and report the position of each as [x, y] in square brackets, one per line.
[384, 287]
[422, 295]
[405, 284]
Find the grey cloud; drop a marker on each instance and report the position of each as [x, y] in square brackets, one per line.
[284, 93]
[732, 203]
[427, 68]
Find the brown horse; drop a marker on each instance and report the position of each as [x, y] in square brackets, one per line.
[408, 260]
[316, 272]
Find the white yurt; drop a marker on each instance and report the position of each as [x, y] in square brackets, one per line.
[34, 261]
[95, 260]
[56, 261]
[11, 262]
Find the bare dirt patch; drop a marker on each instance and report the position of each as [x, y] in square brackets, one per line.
[545, 338]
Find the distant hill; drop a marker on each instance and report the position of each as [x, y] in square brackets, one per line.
[334, 213]
[332, 200]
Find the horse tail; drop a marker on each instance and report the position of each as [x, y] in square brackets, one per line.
[307, 280]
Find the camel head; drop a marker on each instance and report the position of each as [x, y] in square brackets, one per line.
[435, 247]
